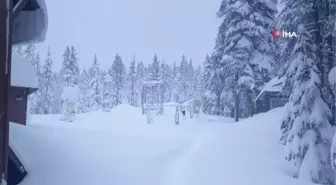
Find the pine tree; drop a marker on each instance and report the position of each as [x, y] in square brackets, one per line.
[69, 73]
[140, 77]
[117, 72]
[306, 128]
[47, 98]
[184, 85]
[175, 82]
[191, 77]
[131, 84]
[107, 92]
[167, 79]
[197, 83]
[214, 85]
[57, 90]
[155, 69]
[95, 99]
[244, 48]
[84, 104]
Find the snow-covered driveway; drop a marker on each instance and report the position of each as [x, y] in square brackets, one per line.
[119, 148]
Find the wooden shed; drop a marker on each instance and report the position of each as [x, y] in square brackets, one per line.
[270, 96]
[23, 83]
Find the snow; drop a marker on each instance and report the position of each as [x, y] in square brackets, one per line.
[332, 76]
[274, 85]
[22, 72]
[116, 148]
[152, 82]
[70, 94]
[31, 26]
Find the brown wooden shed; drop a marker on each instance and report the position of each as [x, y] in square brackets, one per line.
[23, 83]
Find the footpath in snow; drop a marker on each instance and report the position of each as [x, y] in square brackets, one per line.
[120, 148]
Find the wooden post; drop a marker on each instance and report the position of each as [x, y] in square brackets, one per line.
[236, 98]
[5, 66]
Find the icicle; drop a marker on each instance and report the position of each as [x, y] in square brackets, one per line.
[3, 181]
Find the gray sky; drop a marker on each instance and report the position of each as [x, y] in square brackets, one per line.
[168, 28]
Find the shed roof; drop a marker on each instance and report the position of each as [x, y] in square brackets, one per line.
[30, 26]
[274, 85]
[22, 72]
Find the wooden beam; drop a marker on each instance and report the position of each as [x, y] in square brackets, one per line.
[18, 8]
[5, 64]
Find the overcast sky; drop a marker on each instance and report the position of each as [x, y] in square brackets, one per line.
[168, 28]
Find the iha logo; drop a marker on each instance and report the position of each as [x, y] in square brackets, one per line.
[277, 34]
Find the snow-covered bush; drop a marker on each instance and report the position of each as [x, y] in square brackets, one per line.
[69, 97]
[332, 81]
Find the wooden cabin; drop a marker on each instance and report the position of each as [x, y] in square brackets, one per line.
[270, 96]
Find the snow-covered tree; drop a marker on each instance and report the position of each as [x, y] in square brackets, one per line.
[47, 98]
[95, 99]
[140, 77]
[84, 101]
[306, 128]
[131, 84]
[155, 69]
[197, 83]
[57, 91]
[175, 82]
[69, 73]
[118, 72]
[243, 47]
[166, 76]
[107, 93]
[184, 81]
[213, 88]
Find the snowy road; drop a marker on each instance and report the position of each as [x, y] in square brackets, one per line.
[114, 149]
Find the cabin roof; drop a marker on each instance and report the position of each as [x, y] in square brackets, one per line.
[30, 26]
[22, 72]
[274, 85]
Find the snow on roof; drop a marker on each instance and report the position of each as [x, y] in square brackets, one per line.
[274, 85]
[22, 72]
[31, 26]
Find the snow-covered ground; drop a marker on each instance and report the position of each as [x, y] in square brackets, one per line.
[120, 148]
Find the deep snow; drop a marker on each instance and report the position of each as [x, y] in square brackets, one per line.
[119, 148]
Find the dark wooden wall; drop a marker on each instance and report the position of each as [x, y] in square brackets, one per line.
[17, 108]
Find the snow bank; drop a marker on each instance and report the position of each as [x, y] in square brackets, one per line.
[121, 148]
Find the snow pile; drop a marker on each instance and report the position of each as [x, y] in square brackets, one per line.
[19, 67]
[332, 76]
[120, 148]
